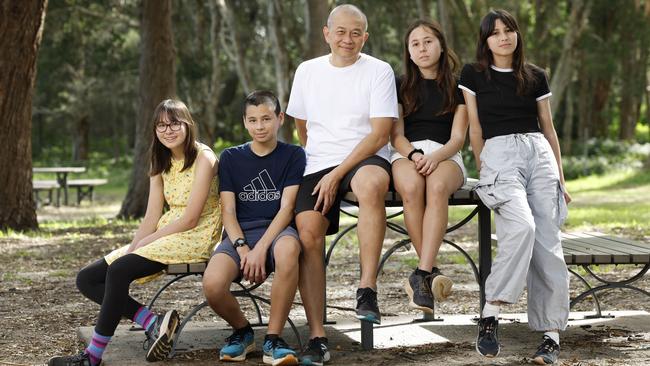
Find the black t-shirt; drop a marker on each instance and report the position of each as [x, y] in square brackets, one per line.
[425, 123]
[500, 110]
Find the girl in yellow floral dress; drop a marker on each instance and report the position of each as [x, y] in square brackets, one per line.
[183, 174]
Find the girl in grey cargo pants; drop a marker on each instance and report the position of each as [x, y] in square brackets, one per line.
[520, 182]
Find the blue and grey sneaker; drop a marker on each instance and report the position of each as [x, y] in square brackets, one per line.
[367, 308]
[547, 353]
[160, 338]
[316, 352]
[277, 352]
[238, 345]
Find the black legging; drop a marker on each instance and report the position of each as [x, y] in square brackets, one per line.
[109, 287]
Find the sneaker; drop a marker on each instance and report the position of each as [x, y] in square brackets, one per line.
[238, 345]
[81, 359]
[161, 337]
[278, 352]
[367, 308]
[316, 352]
[487, 342]
[418, 289]
[547, 353]
[440, 285]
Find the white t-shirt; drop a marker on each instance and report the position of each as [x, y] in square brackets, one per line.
[337, 103]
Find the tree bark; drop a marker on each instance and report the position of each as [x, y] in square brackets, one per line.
[444, 17]
[81, 144]
[157, 82]
[317, 12]
[567, 126]
[21, 28]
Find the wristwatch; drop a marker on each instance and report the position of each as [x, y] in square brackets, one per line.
[413, 152]
[239, 243]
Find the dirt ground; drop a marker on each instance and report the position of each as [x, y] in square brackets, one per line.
[41, 308]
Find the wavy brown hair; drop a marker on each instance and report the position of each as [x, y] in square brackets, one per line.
[521, 69]
[161, 156]
[446, 76]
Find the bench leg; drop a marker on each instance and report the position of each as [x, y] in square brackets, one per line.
[367, 336]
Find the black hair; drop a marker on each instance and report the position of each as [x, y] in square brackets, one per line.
[258, 97]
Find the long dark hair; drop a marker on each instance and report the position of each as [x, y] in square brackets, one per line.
[521, 69]
[161, 156]
[446, 79]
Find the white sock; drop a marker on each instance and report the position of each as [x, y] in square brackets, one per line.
[554, 336]
[490, 310]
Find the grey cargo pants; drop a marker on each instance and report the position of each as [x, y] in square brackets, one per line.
[519, 181]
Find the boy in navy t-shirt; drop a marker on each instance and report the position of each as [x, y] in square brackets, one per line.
[258, 185]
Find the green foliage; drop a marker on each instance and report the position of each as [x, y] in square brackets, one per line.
[601, 156]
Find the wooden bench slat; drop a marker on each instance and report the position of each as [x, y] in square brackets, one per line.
[642, 247]
[617, 256]
[597, 256]
[606, 244]
[45, 184]
[86, 182]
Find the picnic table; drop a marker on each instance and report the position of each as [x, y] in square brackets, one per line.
[465, 196]
[61, 176]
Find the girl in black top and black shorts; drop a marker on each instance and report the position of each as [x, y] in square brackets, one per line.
[426, 163]
[521, 180]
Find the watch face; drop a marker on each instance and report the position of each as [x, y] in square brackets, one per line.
[239, 243]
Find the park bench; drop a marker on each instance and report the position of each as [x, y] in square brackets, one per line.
[182, 270]
[465, 196]
[47, 186]
[85, 187]
[587, 249]
[580, 249]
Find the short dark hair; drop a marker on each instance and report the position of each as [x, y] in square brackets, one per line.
[258, 97]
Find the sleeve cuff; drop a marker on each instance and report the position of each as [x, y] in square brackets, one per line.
[467, 89]
[543, 96]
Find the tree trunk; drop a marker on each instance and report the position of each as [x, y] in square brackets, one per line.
[21, 28]
[424, 12]
[214, 89]
[234, 47]
[564, 68]
[444, 18]
[585, 111]
[634, 58]
[281, 61]
[80, 146]
[317, 12]
[567, 126]
[157, 82]
[600, 92]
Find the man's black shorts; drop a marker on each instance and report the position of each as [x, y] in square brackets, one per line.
[306, 202]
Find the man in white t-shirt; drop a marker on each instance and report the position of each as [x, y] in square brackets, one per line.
[344, 105]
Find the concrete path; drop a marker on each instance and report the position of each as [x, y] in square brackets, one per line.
[395, 333]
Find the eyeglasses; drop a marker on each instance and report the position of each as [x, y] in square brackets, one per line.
[174, 126]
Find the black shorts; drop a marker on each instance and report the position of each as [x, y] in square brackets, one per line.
[306, 202]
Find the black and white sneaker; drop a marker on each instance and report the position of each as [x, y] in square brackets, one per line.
[487, 341]
[316, 352]
[161, 338]
[440, 285]
[547, 353]
[367, 308]
[418, 288]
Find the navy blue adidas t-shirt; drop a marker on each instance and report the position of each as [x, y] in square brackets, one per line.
[258, 181]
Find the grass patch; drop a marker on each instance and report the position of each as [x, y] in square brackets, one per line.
[611, 202]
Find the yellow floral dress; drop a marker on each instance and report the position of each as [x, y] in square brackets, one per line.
[191, 246]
